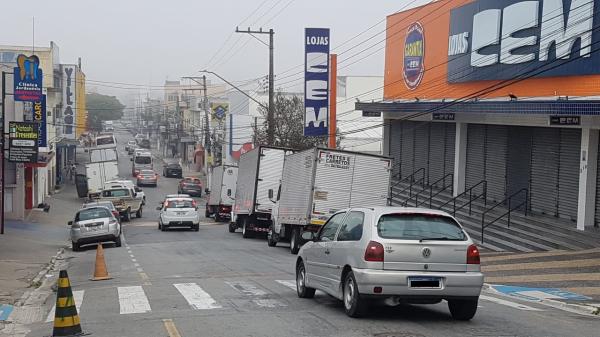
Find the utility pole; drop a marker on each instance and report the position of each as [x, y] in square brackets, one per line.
[207, 145]
[271, 111]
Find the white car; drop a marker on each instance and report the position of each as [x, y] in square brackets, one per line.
[179, 212]
[401, 255]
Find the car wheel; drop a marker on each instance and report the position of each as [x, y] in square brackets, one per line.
[245, 232]
[163, 228]
[206, 213]
[294, 241]
[463, 310]
[159, 226]
[138, 214]
[75, 246]
[232, 228]
[270, 241]
[127, 215]
[218, 218]
[118, 242]
[196, 228]
[354, 305]
[301, 288]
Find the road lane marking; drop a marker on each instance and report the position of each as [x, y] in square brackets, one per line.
[136, 264]
[77, 296]
[247, 288]
[288, 283]
[133, 300]
[133, 260]
[140, 270]
[544, 278]
[508, 303]
[171, 328]
[196, 297]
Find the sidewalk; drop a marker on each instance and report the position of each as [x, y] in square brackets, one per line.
[570, 277]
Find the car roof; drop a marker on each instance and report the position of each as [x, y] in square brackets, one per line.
[88, 208]
[171, 196]
[180, 198]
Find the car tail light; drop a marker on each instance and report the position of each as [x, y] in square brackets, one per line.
[116, 214]
[112, 221]
[374, 252]
[193, 203]
[472, 255]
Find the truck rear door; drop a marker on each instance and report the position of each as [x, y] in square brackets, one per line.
[333, 181]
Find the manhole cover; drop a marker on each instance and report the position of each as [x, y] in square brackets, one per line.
[398, 334]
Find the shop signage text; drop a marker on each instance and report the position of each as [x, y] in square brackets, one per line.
[565, 120]
[39, 116]
[28, 79]
[23, 142]
[442, 116]
[371, 113]
[414, 56]
[316, 81]
[493, 40]
[337, 160]
[68, 116]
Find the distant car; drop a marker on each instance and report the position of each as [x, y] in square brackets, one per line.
[179, 212]
[172, 170]
[144, 143]
[191, 186]
[147, 178]
[94, 225]
[130, 147]
[408, 255]
[107, 204]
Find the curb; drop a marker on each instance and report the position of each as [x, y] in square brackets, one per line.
[584, 309]
[38, 278]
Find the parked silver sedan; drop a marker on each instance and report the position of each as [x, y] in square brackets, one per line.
[94, 224]
[400, 255]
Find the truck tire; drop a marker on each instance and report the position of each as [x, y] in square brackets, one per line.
[75, 246]
[232, 227]
[245, 232]
[295, 241]
[138, 214]
[271, 242]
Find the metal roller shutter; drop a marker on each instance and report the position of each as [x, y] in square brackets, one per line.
[407, 148]
[597, 216]
[421, 144]
[437, 149]
[495, 161]
[544, 171]
[396, 145]
[475, 154]
[450, 139]
[568, 173]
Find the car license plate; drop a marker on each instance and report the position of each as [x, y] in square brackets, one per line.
[430, 282]
[180, 213]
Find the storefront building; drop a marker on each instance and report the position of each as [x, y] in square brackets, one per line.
[499, 91]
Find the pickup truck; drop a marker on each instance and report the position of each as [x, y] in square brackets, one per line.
[126, 201]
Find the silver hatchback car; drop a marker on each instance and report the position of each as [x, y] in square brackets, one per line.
[94, 225]
[401, 255]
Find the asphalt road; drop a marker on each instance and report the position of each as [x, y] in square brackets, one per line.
[214, 283]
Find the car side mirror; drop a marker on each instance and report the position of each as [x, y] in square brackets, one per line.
[308, 236]
[70, 223]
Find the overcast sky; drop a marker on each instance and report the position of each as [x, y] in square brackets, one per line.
[149, 41]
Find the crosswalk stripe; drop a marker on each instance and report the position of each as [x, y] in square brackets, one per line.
[133, 300]
[508, 303]
[196, 297]
[77, 296]
[288, 283]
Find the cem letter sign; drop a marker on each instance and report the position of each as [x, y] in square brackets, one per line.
[23, 142]
[316, 81]
[503, 39]
[28, 79]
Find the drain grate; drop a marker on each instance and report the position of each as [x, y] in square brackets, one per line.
[398, 334]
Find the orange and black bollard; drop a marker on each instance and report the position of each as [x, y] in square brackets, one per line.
[66, 319]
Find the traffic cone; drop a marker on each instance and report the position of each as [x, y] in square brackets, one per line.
[66, 320]
[100, 272]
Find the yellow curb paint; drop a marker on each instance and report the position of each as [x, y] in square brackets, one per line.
[585, 290]
[540, 254]
[543, 265]
[171, 328]
[544, 278]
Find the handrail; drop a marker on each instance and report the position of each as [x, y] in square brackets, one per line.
[469, 191]
[430, 189]
[410, 177]
[508, 212]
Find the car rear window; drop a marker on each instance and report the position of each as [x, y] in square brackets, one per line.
[419, 227]
[180, 204]
[93, 213]
[147, 172]
[115, 193]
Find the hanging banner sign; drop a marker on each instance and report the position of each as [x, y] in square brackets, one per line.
[316, 81]
[28, 79]
[23, 142]
[219, 110]
[39, 116]
[68, 119]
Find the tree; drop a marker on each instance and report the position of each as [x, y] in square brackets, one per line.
[289, 125]
[102, 108]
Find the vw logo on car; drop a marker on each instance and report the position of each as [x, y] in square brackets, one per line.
[426, 252]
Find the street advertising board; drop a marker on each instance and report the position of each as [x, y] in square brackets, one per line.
[28, 79]
[69, 107]
[316, 81]
[39, 116]
[23, 142]
[454, 49]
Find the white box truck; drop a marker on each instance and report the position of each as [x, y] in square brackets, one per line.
[222, 192]
[318, 182]
[259, 174]
[98, 174]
